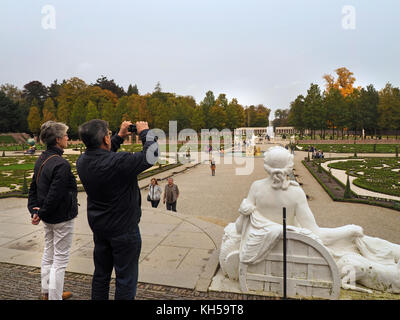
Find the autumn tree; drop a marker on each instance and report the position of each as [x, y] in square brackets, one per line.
[70, 91]
[184, 108]
[34, 119]
[92, 112]
[197, 120]
[49, 111]
[344, 82]
[136, 109]
[234, 114]
[217, 117]
[63, 112]
[110, 115]
[78, 115]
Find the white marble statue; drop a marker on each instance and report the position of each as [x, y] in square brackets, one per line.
[371, 262]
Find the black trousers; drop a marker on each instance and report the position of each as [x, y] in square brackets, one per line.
[122, 253]
[154, 203]
[171, 206]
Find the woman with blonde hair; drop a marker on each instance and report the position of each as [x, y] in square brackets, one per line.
[53, 200]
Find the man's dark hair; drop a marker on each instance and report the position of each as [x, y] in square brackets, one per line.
[93, 132]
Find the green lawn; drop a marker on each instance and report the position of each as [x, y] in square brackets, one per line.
[20, 147]
[7, 139]
[375, 174]
[350, 148]
[24, 166]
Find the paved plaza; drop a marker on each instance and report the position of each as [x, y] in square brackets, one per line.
[180, 250]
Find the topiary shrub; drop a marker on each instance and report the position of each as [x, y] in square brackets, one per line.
[25, 185]
[347, 190]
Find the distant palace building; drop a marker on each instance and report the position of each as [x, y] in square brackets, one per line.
[258, 131]
[288, 130]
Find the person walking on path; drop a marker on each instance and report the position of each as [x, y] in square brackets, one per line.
[114, 203]
[171, 195]
[154, 193]
[212, 166]
[53, 200]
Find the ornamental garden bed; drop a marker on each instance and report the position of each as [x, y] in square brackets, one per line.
[351, 148]
[336, 189]
[375, 174]
[16, 174]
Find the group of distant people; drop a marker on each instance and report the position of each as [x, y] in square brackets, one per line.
[316, 154]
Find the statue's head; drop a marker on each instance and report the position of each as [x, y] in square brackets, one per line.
[278, 162]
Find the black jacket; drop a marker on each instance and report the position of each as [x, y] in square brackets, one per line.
[56, 191]
[110, 181]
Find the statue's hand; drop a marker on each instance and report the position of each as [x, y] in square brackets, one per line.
[246, 208]
[356, 231]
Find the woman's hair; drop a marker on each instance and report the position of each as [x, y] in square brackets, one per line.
[50, 131]
[155, 180]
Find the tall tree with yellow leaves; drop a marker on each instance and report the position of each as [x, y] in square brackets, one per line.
[34, 119]
[344, 82]
[49, 110]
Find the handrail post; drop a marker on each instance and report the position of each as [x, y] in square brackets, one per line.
[284, 256]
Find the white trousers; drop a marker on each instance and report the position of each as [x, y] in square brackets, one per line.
[58, 241]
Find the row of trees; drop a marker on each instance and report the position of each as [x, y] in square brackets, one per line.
[341, 108]
[74, 102]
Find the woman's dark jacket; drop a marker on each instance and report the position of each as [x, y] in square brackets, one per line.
[56, 191]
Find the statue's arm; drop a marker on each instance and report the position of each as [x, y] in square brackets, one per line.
[306, 219]
[248, 204]
[246, 208]
[304, 215]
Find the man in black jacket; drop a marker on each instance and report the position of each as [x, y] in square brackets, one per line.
[114, 203]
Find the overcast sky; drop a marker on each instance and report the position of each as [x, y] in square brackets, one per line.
[256, 51]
